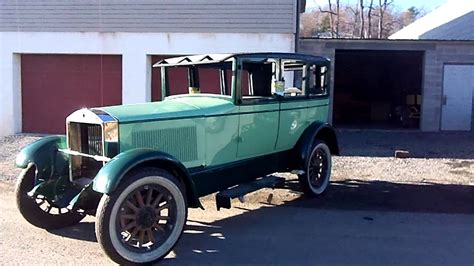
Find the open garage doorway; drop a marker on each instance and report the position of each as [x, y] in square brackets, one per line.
[378, 89]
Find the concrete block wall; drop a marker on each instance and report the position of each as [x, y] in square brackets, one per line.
[436, 55]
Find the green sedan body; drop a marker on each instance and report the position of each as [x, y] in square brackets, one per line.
[271, 112]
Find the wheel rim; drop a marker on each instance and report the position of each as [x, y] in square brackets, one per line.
[146, 218]
[44, 205]
[318, 167]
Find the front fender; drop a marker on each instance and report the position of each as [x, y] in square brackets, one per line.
[44, 154]
[110, 176]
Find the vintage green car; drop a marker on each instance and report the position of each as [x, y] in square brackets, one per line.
[138, 167]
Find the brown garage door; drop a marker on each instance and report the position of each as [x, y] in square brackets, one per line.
[53, 86]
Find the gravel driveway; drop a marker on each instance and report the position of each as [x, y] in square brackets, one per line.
[381, 210]
[444, 158]
[367, 175]
[9, 148]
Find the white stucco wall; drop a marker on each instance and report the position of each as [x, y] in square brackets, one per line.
[135, 49]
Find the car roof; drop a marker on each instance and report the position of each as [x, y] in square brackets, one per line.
[219, 58]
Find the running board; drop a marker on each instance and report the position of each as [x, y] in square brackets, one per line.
[223, 198]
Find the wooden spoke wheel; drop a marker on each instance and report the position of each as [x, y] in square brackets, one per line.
[39, 211]
[143, 219]
[318, 170]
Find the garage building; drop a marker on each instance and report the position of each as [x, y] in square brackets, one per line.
[421, 78]
[56, 57]
[374, 81]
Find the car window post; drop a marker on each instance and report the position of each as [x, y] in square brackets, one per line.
[223, 78]
[164, 83]
[236, 81]
[305, 81]
[193, 79]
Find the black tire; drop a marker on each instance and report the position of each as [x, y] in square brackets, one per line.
[37, 211]
[125, 242]
[317, 170]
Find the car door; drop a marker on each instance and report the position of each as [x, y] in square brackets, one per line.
[304, 101]
[293, 121]
[294, 103]
[258, 111]
[258, 128]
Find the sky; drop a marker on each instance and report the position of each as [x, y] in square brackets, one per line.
[427, 5]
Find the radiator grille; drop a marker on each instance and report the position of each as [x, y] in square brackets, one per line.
[86, 138]
[93, 146]
[179, 142]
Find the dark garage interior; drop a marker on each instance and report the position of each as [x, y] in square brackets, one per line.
[377, 89]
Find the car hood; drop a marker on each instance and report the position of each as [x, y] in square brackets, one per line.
[172, 107]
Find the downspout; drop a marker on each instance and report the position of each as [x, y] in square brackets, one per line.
[300, 8]
[297, 24]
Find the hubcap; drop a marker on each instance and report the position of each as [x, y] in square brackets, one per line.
[318, 167]
[146, 218]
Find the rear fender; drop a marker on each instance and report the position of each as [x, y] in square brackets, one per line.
[315, 131]
[114, 172]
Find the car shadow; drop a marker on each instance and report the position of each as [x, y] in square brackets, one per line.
[348, 194]
[84, 231]
[359, 222]
[355, 194]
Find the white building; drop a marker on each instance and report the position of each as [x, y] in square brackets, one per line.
[56, 57]
[451, 21]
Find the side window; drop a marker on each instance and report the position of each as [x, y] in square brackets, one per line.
[293, 72]
[318, 81]
[256, 81]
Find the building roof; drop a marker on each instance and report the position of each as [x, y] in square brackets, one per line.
[451, 21]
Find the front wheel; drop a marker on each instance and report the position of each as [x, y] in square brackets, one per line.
[38, 210]
[318, 170]
[141, 221]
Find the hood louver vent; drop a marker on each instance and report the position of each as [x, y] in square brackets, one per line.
[179, 142]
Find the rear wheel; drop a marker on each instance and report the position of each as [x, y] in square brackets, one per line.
[317, 170]
[143, 219]
[38, 211]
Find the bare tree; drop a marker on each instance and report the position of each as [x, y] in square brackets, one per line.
[334, 22]
[383, 4]
[331, 14]
[354, 11]
[302, 5]
[369, 20]
[362, 20]
[338, 17]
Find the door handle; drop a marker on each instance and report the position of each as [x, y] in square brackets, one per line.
[445, 99]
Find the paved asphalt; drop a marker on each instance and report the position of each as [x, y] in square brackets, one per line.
[293, 231]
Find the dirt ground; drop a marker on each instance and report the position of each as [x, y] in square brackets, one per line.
[377, 210]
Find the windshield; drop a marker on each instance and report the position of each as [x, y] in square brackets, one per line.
[212, 78]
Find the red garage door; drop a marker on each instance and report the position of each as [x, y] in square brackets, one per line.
[53, 86]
